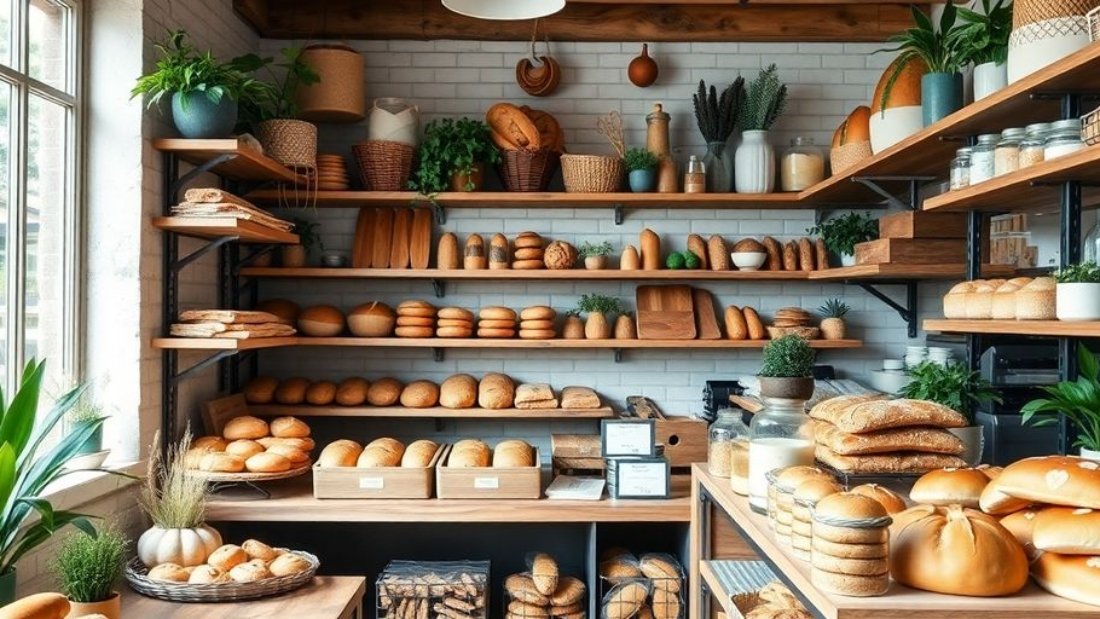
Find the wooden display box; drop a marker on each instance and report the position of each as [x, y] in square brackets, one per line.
[921, 225]
[915, 251]
[390, 482]
[685, 440]
[488, 482]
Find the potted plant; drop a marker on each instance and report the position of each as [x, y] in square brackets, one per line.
[787, 369]
[1078, 400]
[754, 161]
[598, 307]
[842, 234]
[204, 92]
[86, 411]
[625, 327]
[1078, 292]
[297, 256]
[26, 519]
[832, 321]
[87, 566]
[271, 111]
[944, 50]
[595, 255]
[717, 119]
[176, 503]
[987, 33]
[641, 166]
[453, 155]
[955, 386]
[573, 327]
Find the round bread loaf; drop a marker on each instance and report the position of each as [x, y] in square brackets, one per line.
[289, 427]
[419, 454]
[288, 563]
[42, 606]
[469, 453]
[297, 457]
[165, 572]
[950, 486]
[209, 443]
[287, 311]
[384, 392]
[496, 391]
[749, 246]
[420, 394]
[1068, 531]
[244, 448]
[538, 312]
[352, 391]
[521, 588]
[256, 549]
[292, 391]
[221, 463]
[886, 497]
[192, 459]
[249, 572]
[513, 454]
[458, 391]
[268, 462]
[321, 393]
[375, 456]
[1072, 577]
[497, 313]
[261, 390]
[340, 453]
[227, 557]
[570, 591]
[1056, 480]
[207, 575]
[321, 321]
[373, 319]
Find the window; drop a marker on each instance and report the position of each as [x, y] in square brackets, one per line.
[40, 243]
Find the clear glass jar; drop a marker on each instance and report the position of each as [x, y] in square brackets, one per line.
[802, 165]
[1033, 145]
[779, 436]
[695, 179]
[983, 158]
[1065, 138]
[727, 453]
[1006, 157]
[960, 169]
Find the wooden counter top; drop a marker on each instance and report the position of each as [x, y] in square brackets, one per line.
[327, 597]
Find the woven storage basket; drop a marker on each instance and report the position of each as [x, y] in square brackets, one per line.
[843, 157]
[1090, 127]
[526, 170]
[1027, 12]
[338, 97]
[1094, 24]
[591, 173]
[384, 166]
[292, 143]
[137, 575]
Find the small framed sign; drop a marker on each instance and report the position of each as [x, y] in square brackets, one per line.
[628, 437]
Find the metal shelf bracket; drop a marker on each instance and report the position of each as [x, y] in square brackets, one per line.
[437, 354]
[180, 264]
[914, 198]
[177, 185]
[620, 214]
[440, 213]
[908, 312]
[202, 365]
[439, 287]
[617, 355]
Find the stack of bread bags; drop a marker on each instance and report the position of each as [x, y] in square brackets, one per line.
[781, 499]
[850, 545]
[864, 434]
[1052, 505]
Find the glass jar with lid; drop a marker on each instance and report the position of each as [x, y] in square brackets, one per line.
[724, 432]
[1006, 157]
[1065, 138]
[960, 169]
[802, 165]
[983, 158]
[780, 436]
[1033, 145]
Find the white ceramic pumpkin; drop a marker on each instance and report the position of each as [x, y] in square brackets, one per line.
[186, 547]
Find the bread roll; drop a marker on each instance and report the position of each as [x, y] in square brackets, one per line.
[1067, 531]
[244, 448]
[458, 391]
[1004, 301]
[341, 453]
[954, 302]
[419, 454]
[249, 572]
[496, 391]
[520, 587]
[1037, 300]
[814, 489]
[305, 444]
[447, 256]
[579, 398]
[321, 321]
[207, 444]
[474, 257]
[513, 454]
[245, 426]
[663, 571]
[1021, 525]
[268, 462]
[950, 486]
[718, 255]
[321, 393]
[775, 255]
[994, 501]
[736, 327]
[373, 319]
[570, 591]
[261, 390]
[522, 610]
[288, 427]
[192, 459]
[296, 456]
[665, 604]
[754, 324]
[288, 563]
[469, 453]
[207, 575]
[165, 572]
[256, 549]
[544, 573]
[1056, 480]
[420, 394]
[381, 455]
[1075, 578]
[352, 391]
[384, 392]
[886, 497]
[292, 391]
[227, 557]
[221, 463]
[624, 601]
[698, 246]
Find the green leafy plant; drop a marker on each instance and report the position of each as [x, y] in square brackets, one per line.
[942, 49]
[639, 159]
[834, 308]
[88, 566]
[183, 69]
[953, 385]
[591, 303]
[842, 234]
[308, 234]
[1084, 273]
[764, 102]
[788, 357]
[451, 147]
[717, 115]
[85, 410]
[589, 250]
[275, 99]
[171, 497]
[987, 31]
[1078, 400]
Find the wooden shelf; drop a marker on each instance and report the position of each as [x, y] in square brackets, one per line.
[217, 227]
[907, 272]
[201, 343]
[293, 501]
[1045, 328]
[181, 343]
[246, 164]
[900, 602]
[436, 412]
[560, 275]
[1031, 189]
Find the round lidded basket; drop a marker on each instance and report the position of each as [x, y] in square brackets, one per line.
[525, 170]
[339, 95]
[591, 173]
[292, 143]
[384, 165]
[137, 576]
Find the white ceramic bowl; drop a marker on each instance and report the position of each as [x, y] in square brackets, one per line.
[748, 260]
[85, 462]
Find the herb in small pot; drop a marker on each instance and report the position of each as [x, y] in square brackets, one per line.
[1078, 292]
[842, 234]
[595, 255]
[953, 385]
[598, 308]
[453, 155]
[642, 169]
[787, 369]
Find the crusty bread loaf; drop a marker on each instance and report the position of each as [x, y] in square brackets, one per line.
[1075, 578]
[1037, 300]
[244, 448]
[249, 572]
[579, 398]
[296, 456]
[954, 302]
[384, 392]
[544, 573]
[1004, 301]
[900, 462]
[458, 391]
[469, 453]
[255, 549]
[227, 556]
[292, 391]
[1066, 530]
[207, 575]
[352, 391]
[321, 321]
[221, 463]
[268, 462]
[929, 440]
[949, 487]
[305, 444]
[979, 301]
[736, 327]
[288, 563]
[261, 390]
[245, 426]
[419, 454]
[624, 600]
[288, 427]
[209, 443]
[859, 417]
[165, 572]
[340, 453]
[496, 391]
[513, 454]
[420, 394]
[375, 456]
[1055, 480]
[535, 396]
[321, 393]
[754, 324]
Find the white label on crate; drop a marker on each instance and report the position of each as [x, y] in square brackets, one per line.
[629, 439]
[371, 483]
[642, 479]
[486, 483]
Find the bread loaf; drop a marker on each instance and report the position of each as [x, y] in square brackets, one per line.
[754, 324]
[775, 255]
[420, 394]
[650, 245]
[209, 443]
[227, 557]
[296, 456]
[165, 572]
[1004, 301]
[858, 415]
[341, 453]
[256, 549]
[630, 260]
[535, 396]
[954, 302]
[249, 572]
[1066, 530]
[288, 427]
[384, 392]
[666, 604]
[285, 310]
[352, 391]
[287, 564]
[544, 573]
[698, 246]
[736, 327]
[790, 256]
[949, 487]
[520, 587]
[821, 254]
[260, 390]
[806, 255]
[207, 575]
[473, 255]
[559, 255]
[376, 456]
[321, 321]
[579, 398]
[1036, 301]
[373, 319]
[570, 591]
[929, 440]
[268, 462]
[663, 571]
[499, 253]
[292, 391]
[321, 393]
[40, 606]
[1054, 480]
[419, 454]
[513, 454]
[244, 448]
[469, 453]
[447, 256]
[496, 391]
[886, 497]
[624, 600]
[511, 128]
[246, 426]
[994, 501]
[305, 444]
[718, 255]
[1075, 578]
[898, 462]
[979, 301]
[458, 391]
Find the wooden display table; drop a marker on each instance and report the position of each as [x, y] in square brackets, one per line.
[716, 510]
[327, 597]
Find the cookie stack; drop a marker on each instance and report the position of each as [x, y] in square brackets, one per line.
[497, 323]
[850, 545]
[537, 323]
[454, 322]
[529, 252]
[332, 173]
[415, 319]
[806, 496]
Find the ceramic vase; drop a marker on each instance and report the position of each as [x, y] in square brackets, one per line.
[198, 118]
[1090, 454]
[989, 78]
[754, 164]
[293, 256]
[719, 166]
[642, 181]
[941, 95]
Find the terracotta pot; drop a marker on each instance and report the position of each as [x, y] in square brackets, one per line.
[469, 182]
[625, 329]
[293, 256]
[572, 328]
[833, 329]
[111, 608]
[596, 327]
[595, 263]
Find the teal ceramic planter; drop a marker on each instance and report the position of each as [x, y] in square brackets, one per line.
[941, 94]
[94, 443]
[196, 117]
[642, 181]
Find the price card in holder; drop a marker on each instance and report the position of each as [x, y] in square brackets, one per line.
[638, 478]
[628, 437]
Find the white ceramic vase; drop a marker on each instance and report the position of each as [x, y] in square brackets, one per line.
[973, 444]
[894, 125]
[754, 164]
[1039, 44]
[1077, 302]
[989, 78]
[394, 120]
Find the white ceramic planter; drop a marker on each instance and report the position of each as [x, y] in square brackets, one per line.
[989, 78]
[754, 164]
[1037, 45]
[1077, 302]
[894, 125]
[847, 260]
[1089, 454]
[973, 443]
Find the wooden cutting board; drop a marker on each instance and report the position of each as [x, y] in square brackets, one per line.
[420, 238]
[364, 234]
[399, 247]
[665, 313]
[706, 320]
[383, 238]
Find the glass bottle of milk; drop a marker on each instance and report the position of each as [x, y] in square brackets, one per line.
[781, 435]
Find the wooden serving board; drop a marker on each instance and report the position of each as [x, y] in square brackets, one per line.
[364, 234]
[383, 238]
[399, 247]
[665, 313]
[706, 321]
[420, 238]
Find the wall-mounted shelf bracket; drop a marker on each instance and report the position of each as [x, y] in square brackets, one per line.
[178, 184]
[202, 365]
[180, 264]
[912, 202]
[439, 287]
[437, 354]
[620, 214]
[440, 213]
[908, 312]
[617, 355]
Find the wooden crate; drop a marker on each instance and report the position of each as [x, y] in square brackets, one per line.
[921, 225]
[914, 251]
[488, 483]
[389, 482]
[685, 440]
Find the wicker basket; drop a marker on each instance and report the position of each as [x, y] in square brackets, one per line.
[137, 575]
[338, 97]
[526, 170]
[591, 173]
[292, 143]
[384, 166]
[1090, 127]
[843, 157]
[1027, 12]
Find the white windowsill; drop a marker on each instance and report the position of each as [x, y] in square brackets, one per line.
[72, 490]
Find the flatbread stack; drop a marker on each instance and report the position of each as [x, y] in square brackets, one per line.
[230, 324]
[866, 434]
[210, 203]
[532, 396]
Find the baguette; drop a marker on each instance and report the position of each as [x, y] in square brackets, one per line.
[736, 327]
[775, 254]
[790, 256]
[544, 573]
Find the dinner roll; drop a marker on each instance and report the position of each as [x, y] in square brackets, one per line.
[227, 557]
[950, 486]
[886, 497]
[296, 456]
[221, 463]
[288, 563]
[249, 572]
[419, 454]
[321, 393]
[166, 572]
[209, 443]
[207, 575]
[259, 550]
[340, 453]
[244, 448]
[267, 462]
[458, 391]
[1067, 531]
[375, 456]
[1075, 578]
[289, 427]
[246, 426]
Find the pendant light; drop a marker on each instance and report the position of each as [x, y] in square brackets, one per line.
[505, 9]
